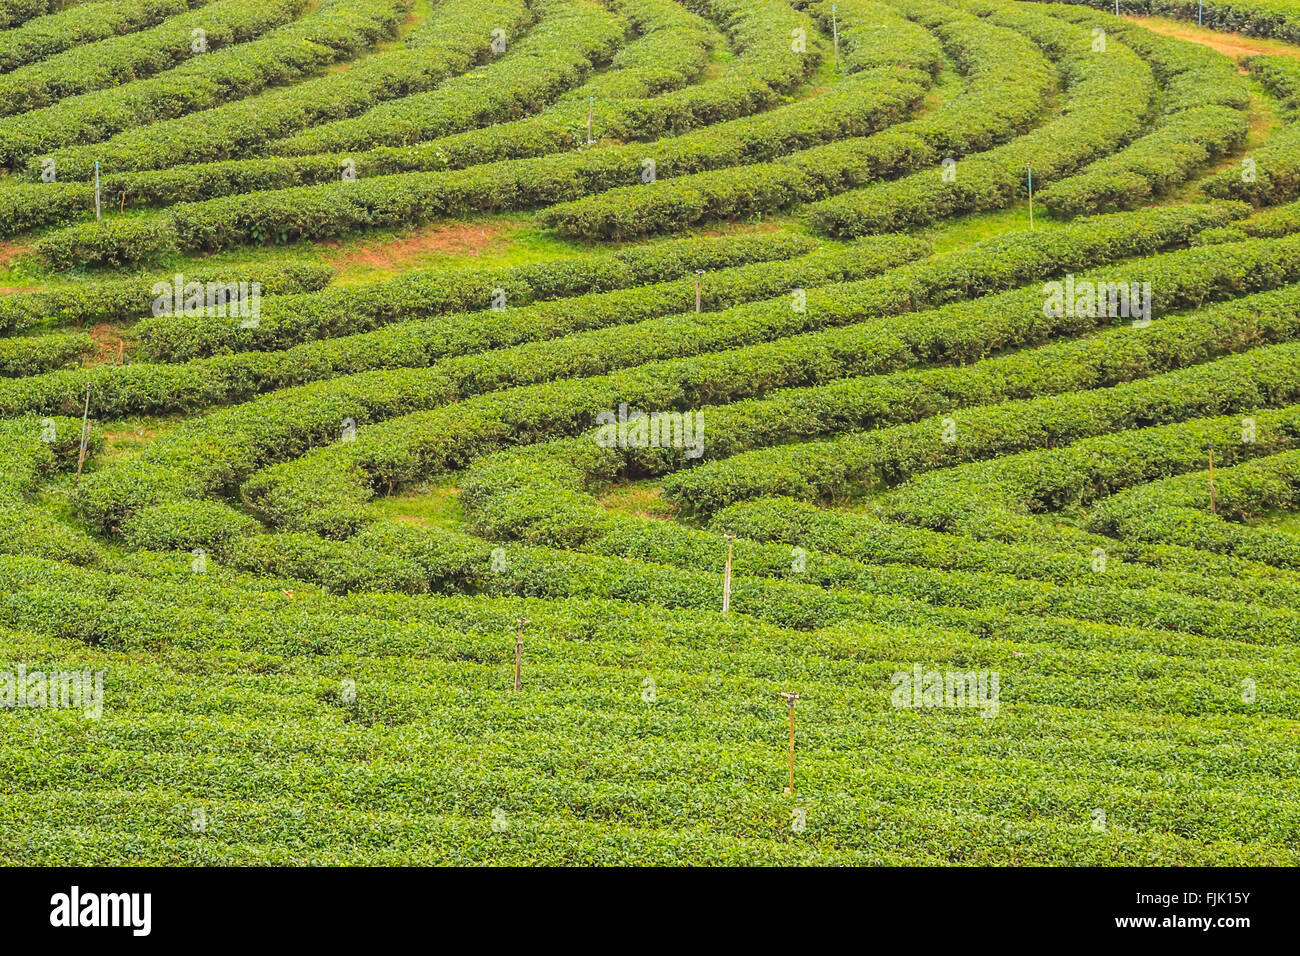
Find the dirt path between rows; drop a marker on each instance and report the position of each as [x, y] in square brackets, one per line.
[1234, 45]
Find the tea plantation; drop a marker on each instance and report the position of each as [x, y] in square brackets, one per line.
[544, 431]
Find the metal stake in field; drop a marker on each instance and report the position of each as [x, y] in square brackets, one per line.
[96, 190]
[85, 434]
[790, 698]
[726, 577]
[1209, 447]
[1200, 13]
[835, 29]
[591, 116]
[699, 282]
[1029, 172]
[519, 650]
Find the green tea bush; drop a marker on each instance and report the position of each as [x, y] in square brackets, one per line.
[135, 55]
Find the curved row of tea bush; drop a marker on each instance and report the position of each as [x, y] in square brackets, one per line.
[753, 81]
[118, 59]
[1108, 96]
[338, 29]
[671, 49]
[663, 369]
[1191, 74]
[422, 294]
[447, 346]
[60, 31]
[1280, 74]
[312, 415]
[448, 43]
[1267, 175]
[117, 299]
[15, 12]
[570, 39]
[862, 103]
[37, 354]
[867, 538]
[669, 52]
[1151, 166]
[540, 502]
[885, 595]
[1202, 118]
[415, 446]
[873, 34]
[1195, 511]
[1080, 474]
[1008, 80]
[834, 471]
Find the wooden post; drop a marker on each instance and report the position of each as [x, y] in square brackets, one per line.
[699, 279]
[790, 698]
[1029, 171]
[1214, 509]
[519, 650]
[835, 29]
[726, 577]
[85, 430]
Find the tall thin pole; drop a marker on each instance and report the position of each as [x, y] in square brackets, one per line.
[96, 190]
[726, 577]
[1029, 171]
[835, 29]
[1214, 509]
[591, 115]
[699, 280]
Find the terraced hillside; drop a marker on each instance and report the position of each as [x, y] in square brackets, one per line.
[441, 431]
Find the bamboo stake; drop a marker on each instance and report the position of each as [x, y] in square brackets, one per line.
[699, 279]
[1214, 508]
[726, 577]
[1029, 170]
[835, 28]
[519, 650]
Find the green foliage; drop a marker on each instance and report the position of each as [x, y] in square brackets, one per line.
[906, 458]
[106, 63]
[1112, 74]
[98, 301]
[1008, 79]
